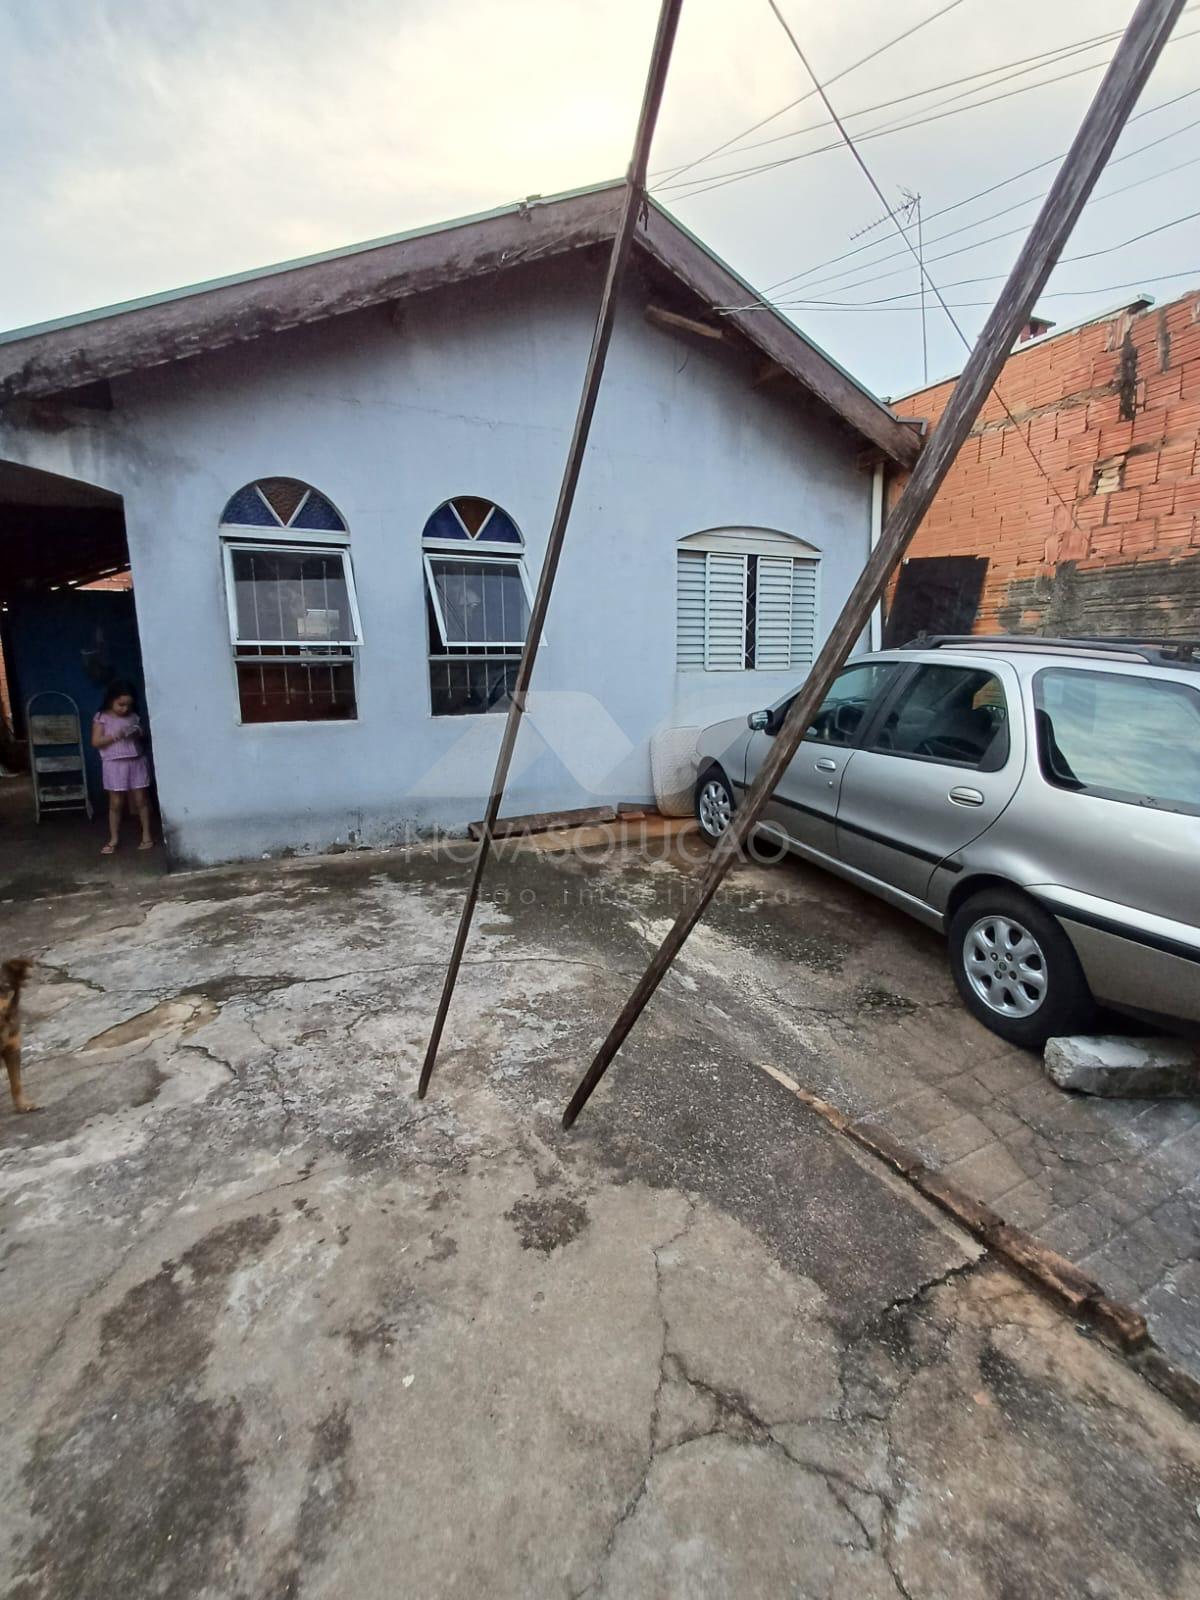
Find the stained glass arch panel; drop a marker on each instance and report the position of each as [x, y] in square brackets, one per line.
[469, 519]
[282, 503]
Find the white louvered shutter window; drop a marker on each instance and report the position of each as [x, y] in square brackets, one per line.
[725, 613]
[689, 611]
[804, 613]
[739, 611]
[773, 614]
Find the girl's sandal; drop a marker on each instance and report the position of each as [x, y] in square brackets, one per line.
[108, 849]
[146, 844]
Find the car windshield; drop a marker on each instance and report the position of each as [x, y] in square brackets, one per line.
[1120, 736]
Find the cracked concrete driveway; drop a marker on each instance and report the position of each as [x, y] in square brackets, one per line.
[274, 1329]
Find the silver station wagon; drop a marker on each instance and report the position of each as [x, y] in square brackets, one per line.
[1037, 800]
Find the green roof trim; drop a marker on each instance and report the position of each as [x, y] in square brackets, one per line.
[165, 296]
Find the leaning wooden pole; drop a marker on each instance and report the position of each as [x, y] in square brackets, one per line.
[634, 197]
[1131, 65]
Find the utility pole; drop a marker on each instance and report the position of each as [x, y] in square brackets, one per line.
[1131, 65]
[912, 209]
[635, 194]
[921, 271]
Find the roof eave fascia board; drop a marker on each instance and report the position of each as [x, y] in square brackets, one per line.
[188, 322]
[693, 263]
[112, 342]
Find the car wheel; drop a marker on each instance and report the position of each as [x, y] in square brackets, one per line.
[714, 804]
[1016, 970]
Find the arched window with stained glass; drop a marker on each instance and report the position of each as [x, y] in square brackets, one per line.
[468, 518]
[477, 605]
[293, 609]
[282, 503]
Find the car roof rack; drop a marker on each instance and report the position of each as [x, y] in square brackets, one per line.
[1156, 652]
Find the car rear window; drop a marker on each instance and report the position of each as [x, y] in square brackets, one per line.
[1120, 737]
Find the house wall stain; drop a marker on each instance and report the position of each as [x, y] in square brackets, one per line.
[1154, 599]
[1087, 505]
[473, 394]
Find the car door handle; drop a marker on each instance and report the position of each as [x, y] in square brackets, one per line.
[966, 797]
[825, 765]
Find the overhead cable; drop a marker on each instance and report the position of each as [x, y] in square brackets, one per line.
[701, 186]
[954, 323]
[805, 278]
[853, 67]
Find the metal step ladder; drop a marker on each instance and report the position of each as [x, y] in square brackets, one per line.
[56, 755]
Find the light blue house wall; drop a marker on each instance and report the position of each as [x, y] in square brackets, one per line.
[466, 391]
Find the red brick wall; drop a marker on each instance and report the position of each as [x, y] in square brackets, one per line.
[1112, 411]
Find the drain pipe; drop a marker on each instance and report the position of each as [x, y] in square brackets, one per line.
[875, 627]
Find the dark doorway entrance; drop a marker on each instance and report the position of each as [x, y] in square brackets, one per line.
[68, 625]
[934, 594]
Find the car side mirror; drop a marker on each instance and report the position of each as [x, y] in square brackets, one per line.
[759, 721]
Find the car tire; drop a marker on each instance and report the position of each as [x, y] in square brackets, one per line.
[714, 799]
[1016, 970]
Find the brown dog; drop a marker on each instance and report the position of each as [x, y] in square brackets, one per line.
[12, 976]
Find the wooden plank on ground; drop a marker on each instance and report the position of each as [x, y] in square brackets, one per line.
[544, 821]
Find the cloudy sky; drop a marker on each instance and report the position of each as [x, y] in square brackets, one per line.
[152, 143]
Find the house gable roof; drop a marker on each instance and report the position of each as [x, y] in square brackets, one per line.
[72, 352]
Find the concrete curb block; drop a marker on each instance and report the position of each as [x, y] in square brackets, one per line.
[1061, 1280]
[1122, 1068]
[1181, 1389]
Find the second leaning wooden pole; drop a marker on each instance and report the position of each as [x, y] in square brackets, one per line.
[1131, 65]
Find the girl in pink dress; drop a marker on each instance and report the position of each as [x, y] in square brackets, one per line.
[117, 734]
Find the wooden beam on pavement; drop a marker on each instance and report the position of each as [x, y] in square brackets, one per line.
[545, 822]
[635, 198]
[1131, 65]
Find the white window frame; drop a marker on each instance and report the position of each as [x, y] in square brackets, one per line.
[452, 550]
[252, 533]
[319, 651]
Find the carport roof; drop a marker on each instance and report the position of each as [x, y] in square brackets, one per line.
[75, 351]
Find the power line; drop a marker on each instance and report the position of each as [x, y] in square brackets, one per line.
[990, 277]
[970, 305]
[808, 274]
[853, 67]
[1163, 105]
[1013, 69]
[832, 285]
[1042, 57]
[870, 177]
[1110, 194]
[700, 186]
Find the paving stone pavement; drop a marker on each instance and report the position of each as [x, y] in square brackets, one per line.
[1112, 1185]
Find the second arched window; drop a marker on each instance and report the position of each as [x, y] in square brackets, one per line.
[477, 605]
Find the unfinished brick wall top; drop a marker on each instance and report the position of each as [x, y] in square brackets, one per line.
[1110, 544]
